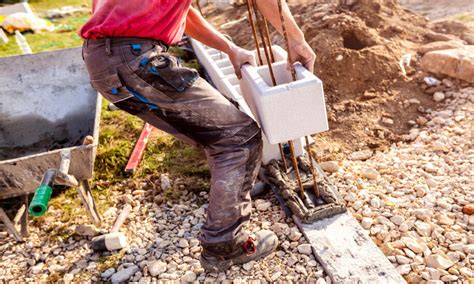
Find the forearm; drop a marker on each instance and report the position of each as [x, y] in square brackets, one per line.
[198, 28]
[269, 8]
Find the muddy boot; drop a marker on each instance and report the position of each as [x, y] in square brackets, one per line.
[217, 258]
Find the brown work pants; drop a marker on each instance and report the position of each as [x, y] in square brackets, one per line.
[141, 78]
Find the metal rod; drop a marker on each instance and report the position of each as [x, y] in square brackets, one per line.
[267, 33]
[295, 167]
[199, 7]
[24, 218]
[313, 171]
[285, 35]
[254, 31]
[282, 154]
[293, 75]
[262, 36]
[270, 60]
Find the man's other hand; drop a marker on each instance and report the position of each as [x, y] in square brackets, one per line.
[239, 56]
[303, 53]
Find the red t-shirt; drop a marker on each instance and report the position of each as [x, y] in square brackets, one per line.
[163, 20]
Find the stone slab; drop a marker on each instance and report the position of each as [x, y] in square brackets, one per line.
[347, 253]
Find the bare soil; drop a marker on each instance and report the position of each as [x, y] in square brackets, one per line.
[437, 9]
[359, 50]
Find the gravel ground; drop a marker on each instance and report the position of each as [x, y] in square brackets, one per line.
[411, 197]
[163, 245]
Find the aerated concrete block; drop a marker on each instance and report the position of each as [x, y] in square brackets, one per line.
[289, 110]
[220, 70]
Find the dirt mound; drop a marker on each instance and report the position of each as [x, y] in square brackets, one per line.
[371, 103]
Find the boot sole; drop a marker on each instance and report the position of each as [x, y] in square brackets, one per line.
[225, 265]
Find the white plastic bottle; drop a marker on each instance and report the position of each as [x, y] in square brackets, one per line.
[22, 43]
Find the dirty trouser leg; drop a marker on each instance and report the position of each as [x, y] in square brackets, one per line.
[198, 114]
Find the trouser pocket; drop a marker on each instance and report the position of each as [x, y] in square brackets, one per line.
[161, 70]
[110, 86]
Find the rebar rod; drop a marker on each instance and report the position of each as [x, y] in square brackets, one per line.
[313, 171]
[270, 60]
[262, 36]
[285, 35]
[293, 75]
[267, 33]
[254, 31]
[283, 159]
[295, 168]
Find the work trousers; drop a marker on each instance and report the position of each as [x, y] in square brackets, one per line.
[141, 78]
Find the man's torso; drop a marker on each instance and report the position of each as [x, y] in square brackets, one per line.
[156, 19]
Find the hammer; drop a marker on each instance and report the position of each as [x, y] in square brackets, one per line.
[113, 240]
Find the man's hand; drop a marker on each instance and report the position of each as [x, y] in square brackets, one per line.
[303, 53]
[239, 56]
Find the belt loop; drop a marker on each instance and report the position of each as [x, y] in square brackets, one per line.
[108, 51]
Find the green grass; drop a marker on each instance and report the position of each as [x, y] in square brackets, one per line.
[65, 37]
[39, 6]
[466, 18]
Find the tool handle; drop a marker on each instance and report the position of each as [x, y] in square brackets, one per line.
[121, 218]
[39, 203]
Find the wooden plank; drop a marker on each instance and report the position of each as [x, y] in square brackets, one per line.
[139, 149]
[87, 199]
[346, 251]
[10, 227]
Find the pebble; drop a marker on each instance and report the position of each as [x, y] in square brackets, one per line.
[262, 205]
[361, 155]
[124, 275]
[183, 243]
[305, 249]
[438, 261]
[106, 274]
[402, 259]
[188, 277]
[404, 269]
[369, 173]
[397, 219]
[248, 265]
[367, 223]
[412, 244]
[86, 230]
[438, 96]
[156, 268]
[295, 234]
[68, 277]
[329, 166]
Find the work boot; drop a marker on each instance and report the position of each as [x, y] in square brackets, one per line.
[254, 248]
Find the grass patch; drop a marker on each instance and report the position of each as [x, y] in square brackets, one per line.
[65, 37]
[466, 18]
[39, 6]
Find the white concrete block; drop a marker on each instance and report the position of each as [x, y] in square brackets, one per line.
[289, 110]
[222, 75]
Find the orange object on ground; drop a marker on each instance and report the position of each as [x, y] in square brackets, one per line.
[139, 149]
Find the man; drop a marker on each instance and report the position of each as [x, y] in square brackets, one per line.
[126, 55]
